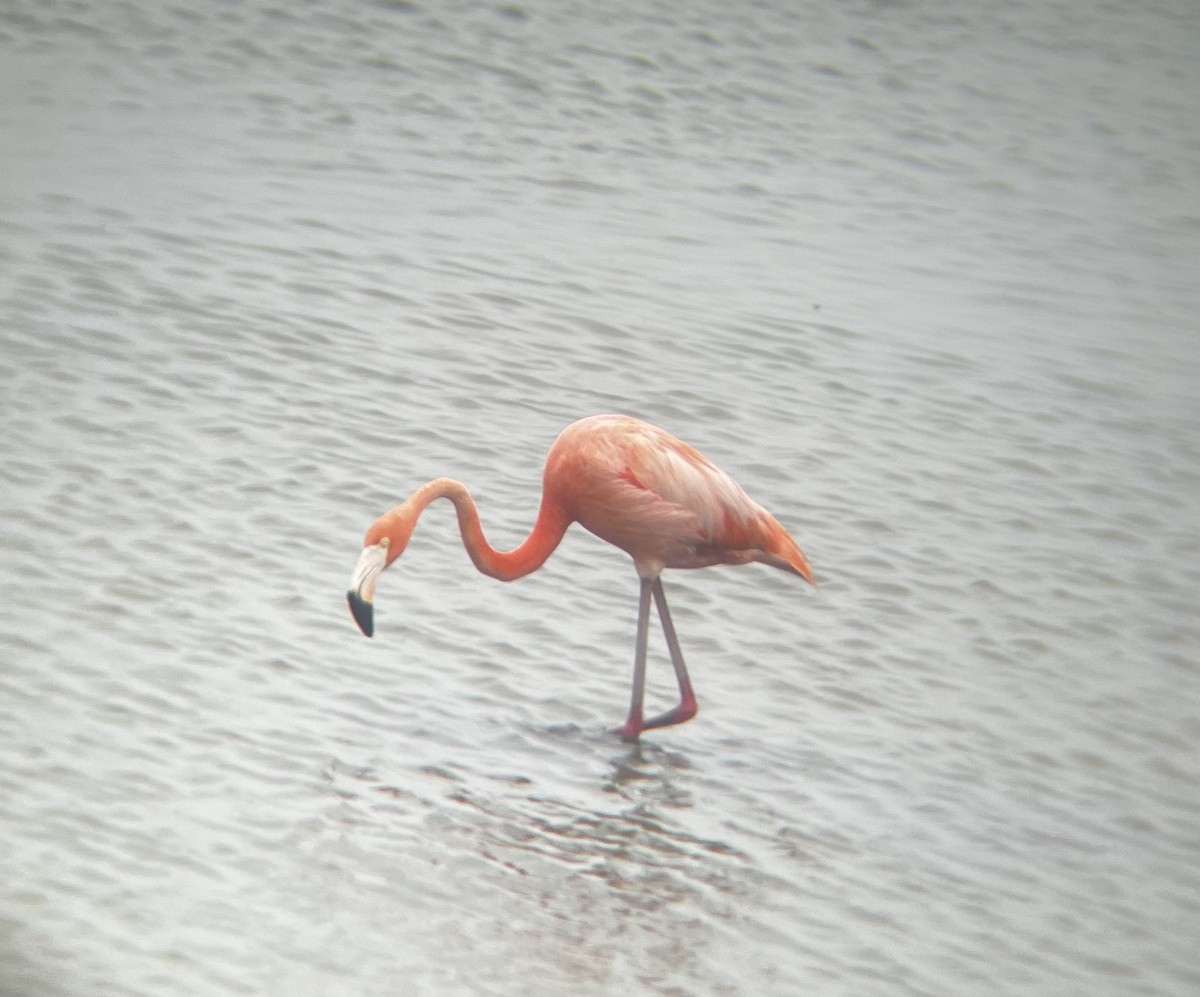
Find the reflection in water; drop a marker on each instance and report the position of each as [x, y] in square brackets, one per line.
[635, 847]
[592, 885]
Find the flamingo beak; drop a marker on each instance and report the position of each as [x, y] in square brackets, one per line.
[370, 565]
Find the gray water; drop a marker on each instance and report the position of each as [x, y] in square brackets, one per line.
[922, 277]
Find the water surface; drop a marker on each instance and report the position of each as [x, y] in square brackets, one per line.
[921, 278]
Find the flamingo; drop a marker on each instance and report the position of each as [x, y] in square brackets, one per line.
[631, 484]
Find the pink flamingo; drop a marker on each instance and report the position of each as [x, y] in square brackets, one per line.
[631, 484]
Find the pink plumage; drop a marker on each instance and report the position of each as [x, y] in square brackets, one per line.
[632, 484]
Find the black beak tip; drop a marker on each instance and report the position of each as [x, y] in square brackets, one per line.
[363, 612]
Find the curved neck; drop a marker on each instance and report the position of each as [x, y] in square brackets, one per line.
[545, 536]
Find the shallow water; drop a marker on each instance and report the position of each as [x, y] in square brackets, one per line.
[923, 280]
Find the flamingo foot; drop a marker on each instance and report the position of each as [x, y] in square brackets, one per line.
[680, 714]
[629, 730]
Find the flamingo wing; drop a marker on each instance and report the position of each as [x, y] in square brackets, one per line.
[723, 524]
[660, 500]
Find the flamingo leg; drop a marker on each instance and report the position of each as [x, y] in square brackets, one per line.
[687, 698]
[634, 723]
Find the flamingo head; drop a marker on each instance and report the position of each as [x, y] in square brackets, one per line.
[385, 541]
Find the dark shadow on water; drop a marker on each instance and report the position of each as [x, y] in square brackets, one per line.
[629, 830]
[634, 837]
[646, 773]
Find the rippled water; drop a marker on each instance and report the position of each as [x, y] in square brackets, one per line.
[922, 277]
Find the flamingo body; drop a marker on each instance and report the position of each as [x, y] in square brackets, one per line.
[631, 484]
[660, 500]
